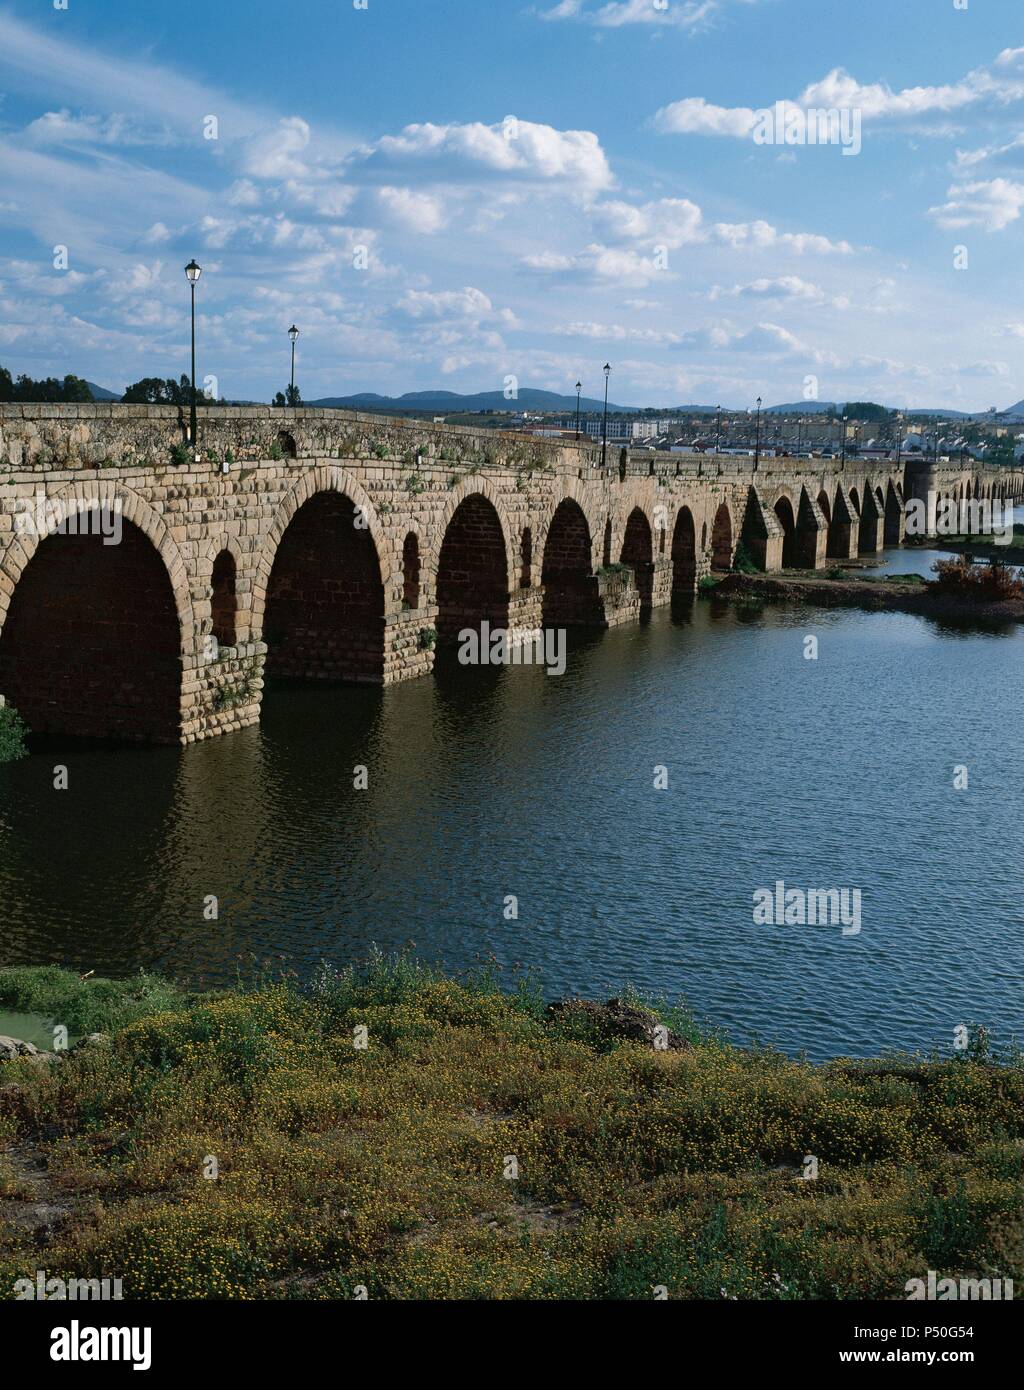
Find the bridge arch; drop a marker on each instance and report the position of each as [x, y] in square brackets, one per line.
[224, 599]
[684, 555]
[95, 636]
[473, 576]
[320, 595]
[638, 553]
[723, 538]
[223, 560]
[325, 479]
[411, 571]
[786, 512]
[893, 509]
[526, 558]
[570, 590]
[872, 511]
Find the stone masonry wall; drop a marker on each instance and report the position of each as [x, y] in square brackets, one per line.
[254, 470]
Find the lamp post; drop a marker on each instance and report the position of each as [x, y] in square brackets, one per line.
[844, 442]
[193, 272]
[757, 435]
[899, 439]
[718, 425]
[604, 431]
[579, 388]
[293, 333]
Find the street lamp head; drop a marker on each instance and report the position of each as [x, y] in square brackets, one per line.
[293, 332]
[193, 270]
[607, 368]
[579, 386]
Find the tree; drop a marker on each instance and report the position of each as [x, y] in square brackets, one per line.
[291, 395]
[50, 389]
[865, 410]
[155, 390]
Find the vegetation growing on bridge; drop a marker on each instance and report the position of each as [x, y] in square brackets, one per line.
[389, 1167]
[12, 735]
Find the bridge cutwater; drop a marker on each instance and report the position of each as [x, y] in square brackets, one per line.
[329, 545]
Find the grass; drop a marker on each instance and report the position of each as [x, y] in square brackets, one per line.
[385, 1166]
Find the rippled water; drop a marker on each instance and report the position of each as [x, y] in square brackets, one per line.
[834, 773]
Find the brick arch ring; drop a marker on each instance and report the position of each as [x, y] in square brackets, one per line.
[573, 490]
[471, 487]
[108, 493]
[324, 479]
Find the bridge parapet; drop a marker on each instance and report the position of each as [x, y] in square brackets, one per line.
[39, 437]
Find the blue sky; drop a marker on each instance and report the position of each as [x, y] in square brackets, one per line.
[452, 194]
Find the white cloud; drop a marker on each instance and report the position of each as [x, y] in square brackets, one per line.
[670, 222]
[274, 153]
[991, 87]
[613, 14]
[772, 338]
[782, 287]
[157, 235]
[615, 332]
[62, 128]
[515, 148]
[243, 193]
[599, 264]
[35, 58]
[695, 116]
[991, 204]
[760, 234]
[468, 303]
[419, 212]
[876, 101]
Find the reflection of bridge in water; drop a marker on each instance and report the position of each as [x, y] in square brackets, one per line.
[325, 545]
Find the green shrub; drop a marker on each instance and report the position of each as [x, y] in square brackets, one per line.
[743, 562]
[13, 730]
[385, 1165]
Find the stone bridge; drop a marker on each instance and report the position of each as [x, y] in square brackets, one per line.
[328, 545]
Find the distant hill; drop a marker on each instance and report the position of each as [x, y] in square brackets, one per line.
[439, 402]
[945, 413]
[100, 393]
[818, 407]
[450, 402]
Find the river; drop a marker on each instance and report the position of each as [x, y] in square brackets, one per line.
[835, 772]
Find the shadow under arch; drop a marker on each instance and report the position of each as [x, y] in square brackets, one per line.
[92, 641]
[472, 571]
[324, 608]
[571, 597]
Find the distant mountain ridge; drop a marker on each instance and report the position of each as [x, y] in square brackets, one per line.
[447, 402]
[532, 398]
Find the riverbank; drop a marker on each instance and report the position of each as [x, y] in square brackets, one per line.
[901, 593]
[393, 1131]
